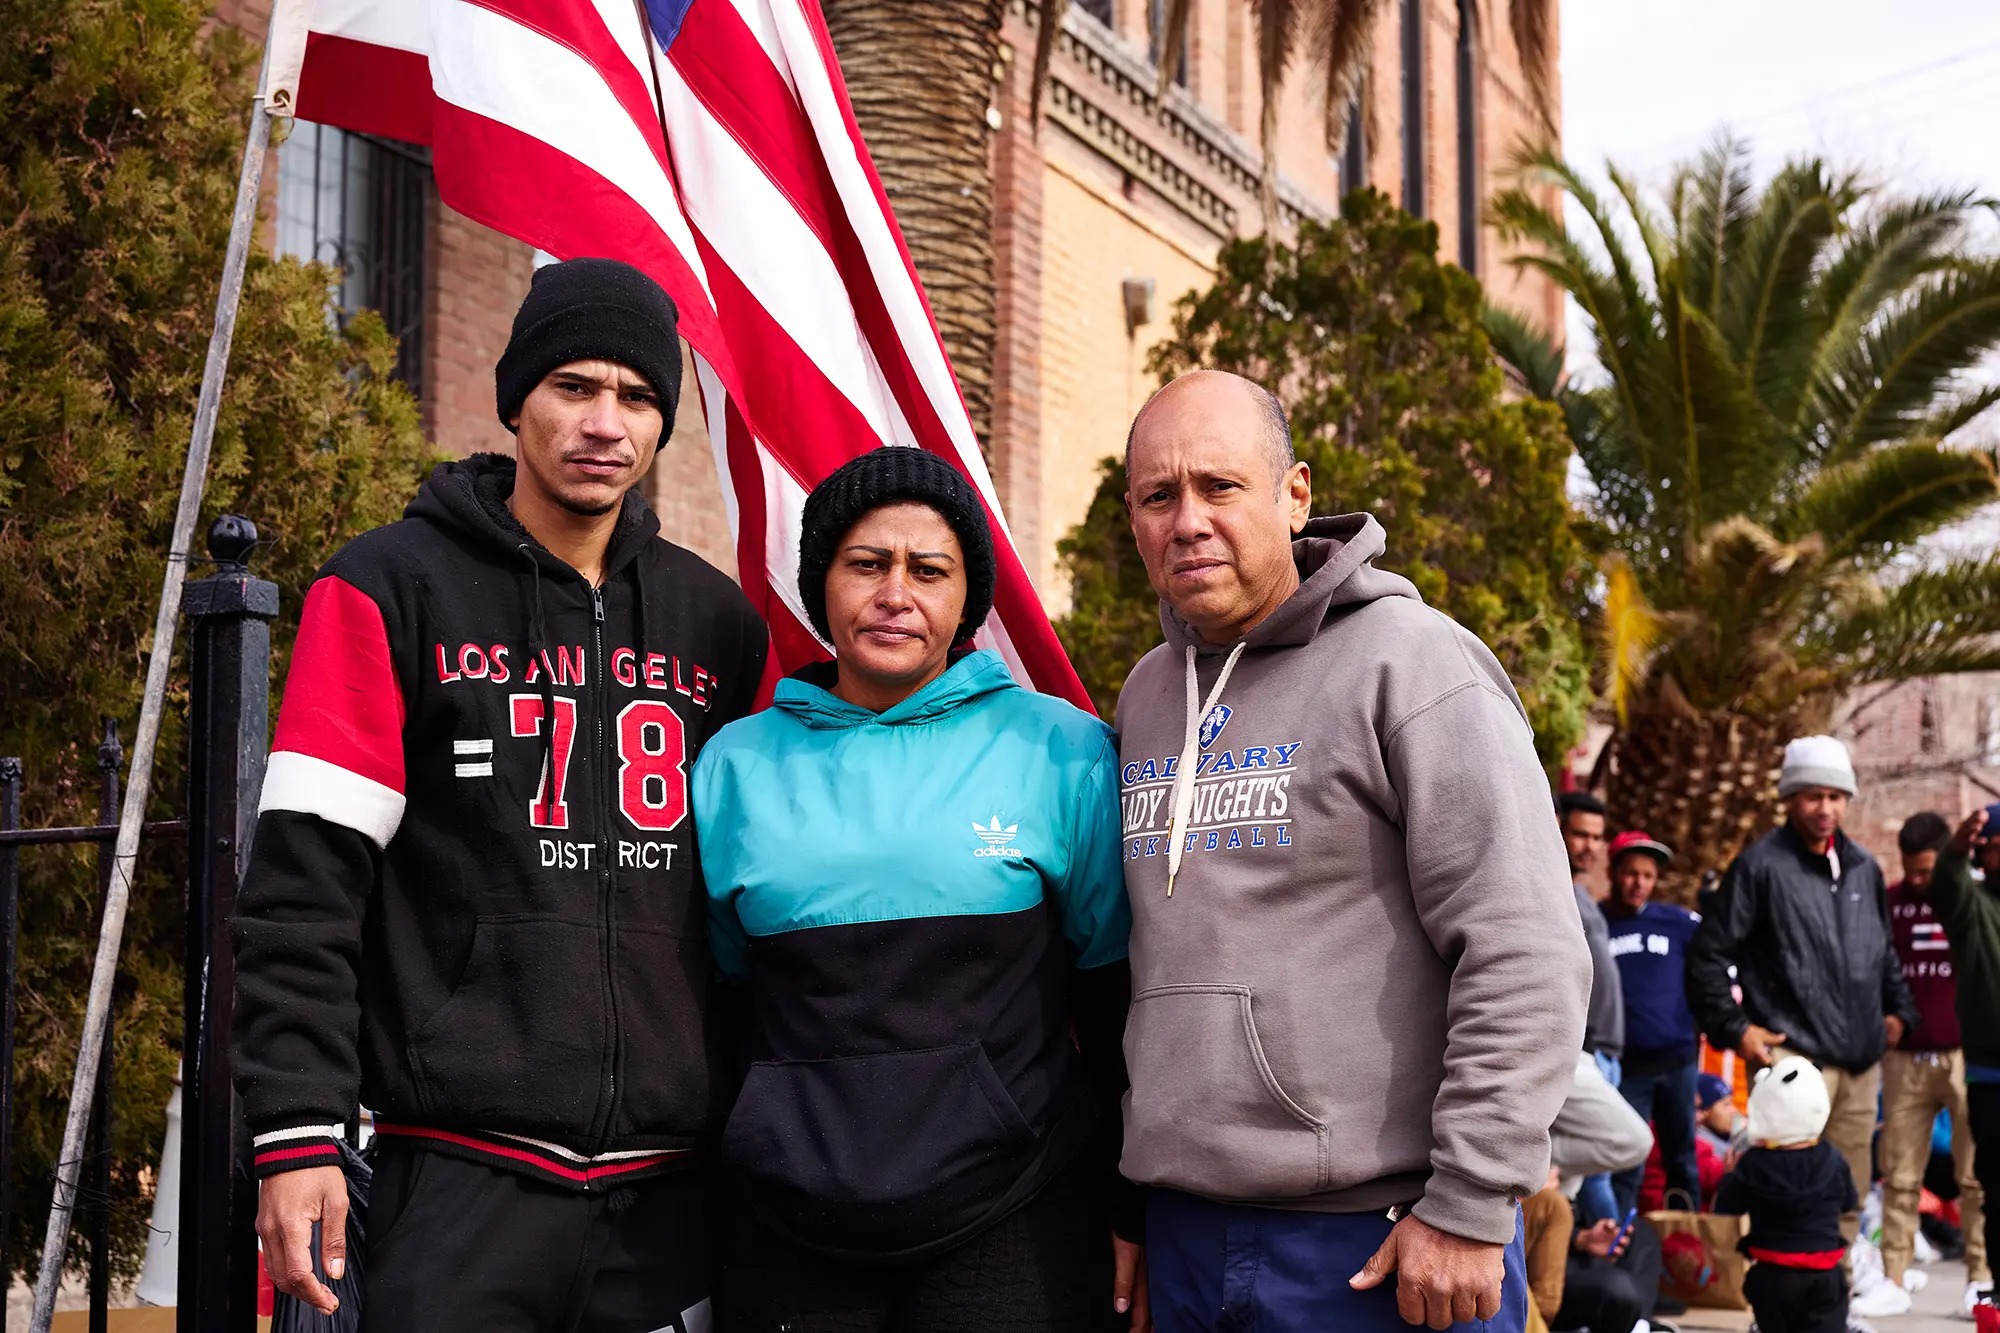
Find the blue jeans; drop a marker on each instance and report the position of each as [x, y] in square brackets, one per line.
[1595, 1198]
[1667, 1099]
[1235, 1268]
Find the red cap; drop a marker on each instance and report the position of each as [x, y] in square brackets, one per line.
[1636, 841]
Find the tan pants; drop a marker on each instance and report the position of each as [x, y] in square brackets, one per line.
[1850, 1128]
[1916, 1085]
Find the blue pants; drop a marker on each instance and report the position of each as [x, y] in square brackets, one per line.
[1232, 1268]
[1667, 1099]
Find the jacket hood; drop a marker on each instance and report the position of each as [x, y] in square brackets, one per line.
[1335, 558]
[469, 496]
[809, 697]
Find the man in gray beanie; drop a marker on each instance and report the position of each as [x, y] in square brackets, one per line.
[1803, 918]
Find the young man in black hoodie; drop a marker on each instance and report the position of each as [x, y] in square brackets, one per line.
[473, 904]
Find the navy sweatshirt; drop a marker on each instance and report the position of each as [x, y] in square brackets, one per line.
[1651, 951]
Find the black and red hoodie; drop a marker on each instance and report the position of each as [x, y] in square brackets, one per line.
[486, 928]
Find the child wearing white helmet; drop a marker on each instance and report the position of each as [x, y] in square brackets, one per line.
[1795, 1188]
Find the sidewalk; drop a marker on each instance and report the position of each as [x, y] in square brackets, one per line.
[1937, 1309]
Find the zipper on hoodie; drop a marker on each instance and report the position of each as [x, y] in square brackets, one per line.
[605, 895]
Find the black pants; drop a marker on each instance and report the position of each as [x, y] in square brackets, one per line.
[1982, 1113]
[1608, 1296]
[1797, 1300]
[1045, 1268]
[453, 1245]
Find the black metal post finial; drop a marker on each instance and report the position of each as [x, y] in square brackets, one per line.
[231, 538]
[110, 754]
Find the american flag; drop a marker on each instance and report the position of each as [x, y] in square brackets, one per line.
[711, 143]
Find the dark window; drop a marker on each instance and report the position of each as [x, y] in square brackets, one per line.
[1097, 9]
[1354, 153]
[360, 205]
[1468, 139]
[1413, 106]
[1156, 22]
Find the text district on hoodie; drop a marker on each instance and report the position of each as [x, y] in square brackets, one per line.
[1367, 986]
[473, 902]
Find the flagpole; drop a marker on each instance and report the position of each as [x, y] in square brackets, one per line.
[166, 623]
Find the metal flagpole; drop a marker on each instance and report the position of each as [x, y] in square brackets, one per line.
[284, 49]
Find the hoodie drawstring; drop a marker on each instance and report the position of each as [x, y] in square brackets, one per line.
[538, 635]
[1191, 757]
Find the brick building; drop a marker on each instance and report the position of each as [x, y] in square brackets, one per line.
[1926, 744]
[1101, 222]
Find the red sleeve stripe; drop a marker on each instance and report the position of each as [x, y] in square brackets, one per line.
[343, 704]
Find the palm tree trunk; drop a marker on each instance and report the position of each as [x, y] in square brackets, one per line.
[1706, 784]
[921, 77]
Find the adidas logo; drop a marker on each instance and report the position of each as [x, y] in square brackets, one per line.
[996, 837]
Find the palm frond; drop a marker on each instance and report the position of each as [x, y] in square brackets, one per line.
[1049, 29]
[1533, 23]
[1953, 415]
[1277, 32]
[1765, 309]
[1532, 353]
[1340, 37]
[1939, 620]
[1717, 202]
[1633, 633]
[1170, 39]
[1886, 384]
[1868, 507]
[1652, 228]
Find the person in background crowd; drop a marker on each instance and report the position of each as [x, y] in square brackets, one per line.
[1649, 941]
[447, 915]
[1796, 1189]
[1358, 984]
[1802, 917]
[1925, 1072]
[1611, 1278]
[918, 885]
[1718, 1125]
[1969, 908]
[1581, 817]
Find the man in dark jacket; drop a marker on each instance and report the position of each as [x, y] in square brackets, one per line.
[473, 903]
[1803, 919]
[1970, 910]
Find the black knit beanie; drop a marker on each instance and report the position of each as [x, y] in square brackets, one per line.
[891, 475]
[587, 309]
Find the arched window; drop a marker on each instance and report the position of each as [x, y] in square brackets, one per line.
[1413, 106]
[1468, 138]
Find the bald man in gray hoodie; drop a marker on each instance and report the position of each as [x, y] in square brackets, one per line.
[1359, 979]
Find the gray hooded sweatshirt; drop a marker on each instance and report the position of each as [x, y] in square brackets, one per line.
[1367, 984]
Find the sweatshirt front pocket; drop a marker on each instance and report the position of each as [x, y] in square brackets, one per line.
[520, 1043]
[1205, 1113]
[878, 1153]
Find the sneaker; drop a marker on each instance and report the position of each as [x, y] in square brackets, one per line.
[1878, 1298]
[1975, 1292]
[1914, 1279]
[1922, 1250]
[1855, 1325]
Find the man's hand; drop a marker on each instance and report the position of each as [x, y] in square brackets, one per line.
[1128, 1283]
[287, 1206]
[1441, 1279]
[1968, 832]
[1759, 1045]
[1601, 1239]
[1893, 1027]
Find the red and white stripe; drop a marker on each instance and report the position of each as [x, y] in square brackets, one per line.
[728, 166]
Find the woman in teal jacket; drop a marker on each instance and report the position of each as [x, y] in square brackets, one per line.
[914, 873]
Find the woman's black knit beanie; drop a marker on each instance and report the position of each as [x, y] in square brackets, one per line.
[589, 309]
[891, 475]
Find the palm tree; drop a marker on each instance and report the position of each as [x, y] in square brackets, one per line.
[1783, 414]
[921, 76]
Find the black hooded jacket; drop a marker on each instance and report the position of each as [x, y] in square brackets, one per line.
[1812, 953]
[497, 966]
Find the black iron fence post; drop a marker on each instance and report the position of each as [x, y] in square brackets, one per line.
[110, 758]
[231, 614]
[10, 904]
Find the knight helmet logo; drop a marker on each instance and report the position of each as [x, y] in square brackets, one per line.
[996, 836]
[1212, 725]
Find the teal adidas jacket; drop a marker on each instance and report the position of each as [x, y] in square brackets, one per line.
[921, 905]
